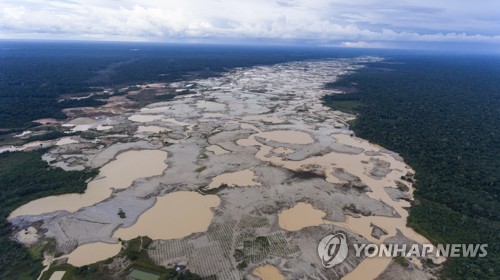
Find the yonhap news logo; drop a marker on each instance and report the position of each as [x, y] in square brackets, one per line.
[334, 248]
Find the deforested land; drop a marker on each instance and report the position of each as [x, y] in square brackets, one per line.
[208, 162]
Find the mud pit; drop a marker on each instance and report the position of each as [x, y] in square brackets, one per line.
[90, 253]
[287, 136]
[118, 174]
[300, 216]
[174, 215]
[298, 172]
[239, 178]
[268, 272]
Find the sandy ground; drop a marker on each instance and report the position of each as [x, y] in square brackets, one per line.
[264, 132]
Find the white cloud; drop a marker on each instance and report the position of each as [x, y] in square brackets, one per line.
[321, 20]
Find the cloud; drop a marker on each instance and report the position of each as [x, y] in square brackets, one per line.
[354, 44]
[314, 20]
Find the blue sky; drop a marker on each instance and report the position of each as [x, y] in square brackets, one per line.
[367, 23]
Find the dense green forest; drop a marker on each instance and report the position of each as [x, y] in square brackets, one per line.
[442, 114]
[24, 176]
[33, 75]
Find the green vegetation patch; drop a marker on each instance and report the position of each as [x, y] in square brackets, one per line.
[121, 214]
[200, 169]
[442, 115]
[24, 177]
[402, 261]
[251, 248]
[250, 221]
[50, 135]
[142, 275]
[348, 106]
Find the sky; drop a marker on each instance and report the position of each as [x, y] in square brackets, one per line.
[350, 23]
